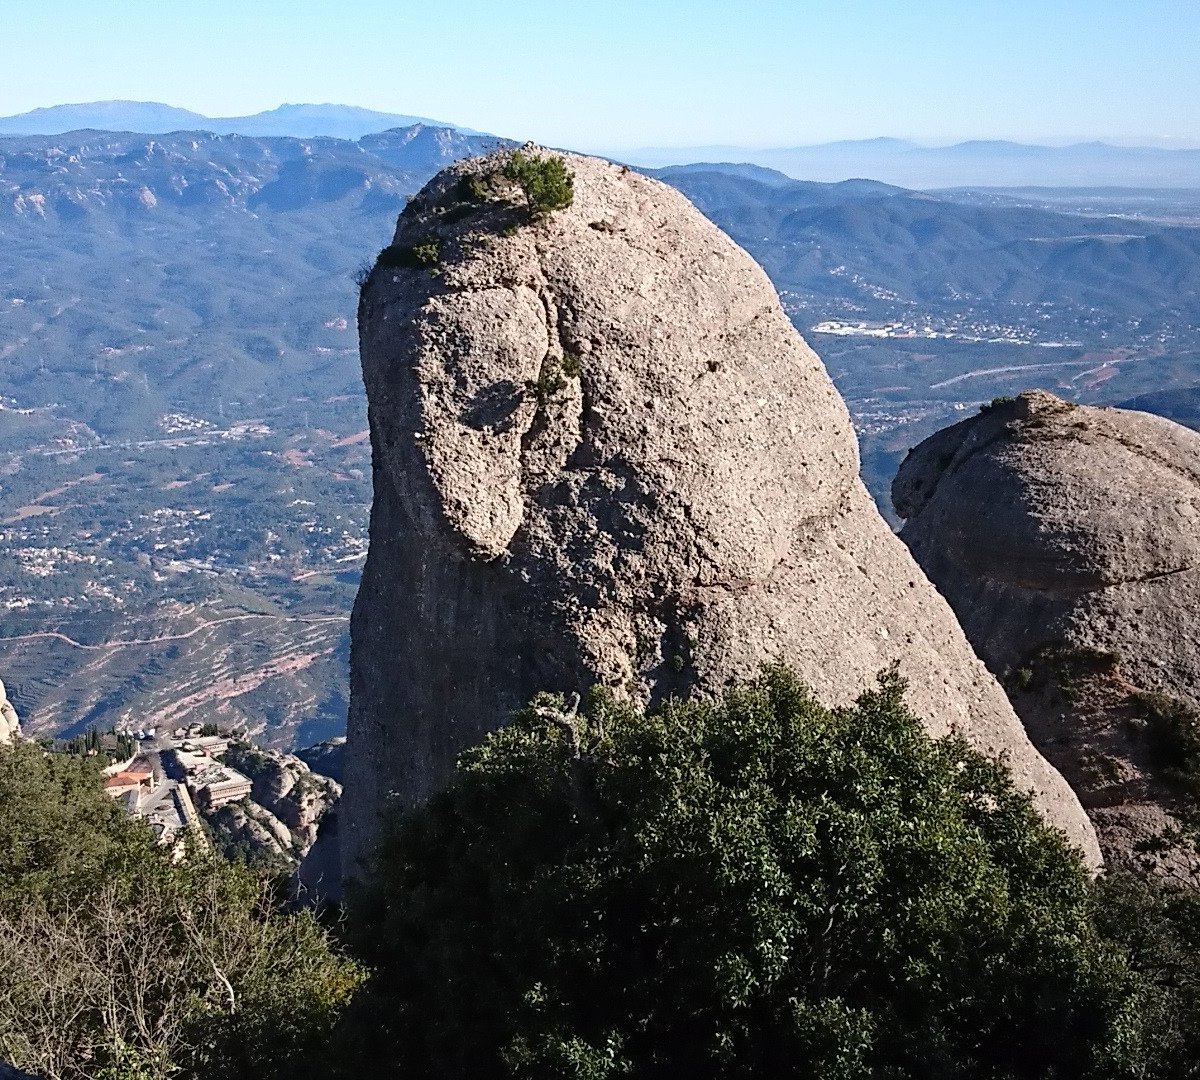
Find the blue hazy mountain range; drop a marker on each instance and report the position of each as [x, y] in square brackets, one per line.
[976, 163]
[980, 163]
[153, 118]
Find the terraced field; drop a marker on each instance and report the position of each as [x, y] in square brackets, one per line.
[280, 676]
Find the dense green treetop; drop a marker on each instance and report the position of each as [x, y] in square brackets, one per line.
[752, 887]
[546, 181]
[59, 835]
[757, 886]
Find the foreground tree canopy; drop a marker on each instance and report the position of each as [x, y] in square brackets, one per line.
[754, 887]
[118, 964]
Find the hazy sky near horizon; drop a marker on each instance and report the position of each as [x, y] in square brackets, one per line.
[615, 74]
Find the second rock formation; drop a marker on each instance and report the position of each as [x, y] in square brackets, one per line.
[1067, 539]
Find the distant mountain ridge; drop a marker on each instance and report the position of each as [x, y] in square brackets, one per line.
[902, 162]
[887, 249]
[977, 163]
[154, 118]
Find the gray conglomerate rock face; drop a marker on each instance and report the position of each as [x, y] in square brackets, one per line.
[603, 454]
[1044, 521]
[289, 807]
[10, 724]
[288, 791]
[1067, 532]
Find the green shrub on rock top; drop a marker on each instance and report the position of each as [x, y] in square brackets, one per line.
[755, 887]
[473, 188]
[553, 376]
[546, 181]
[411, 256]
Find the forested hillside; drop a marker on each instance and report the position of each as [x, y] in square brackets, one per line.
[183, 439]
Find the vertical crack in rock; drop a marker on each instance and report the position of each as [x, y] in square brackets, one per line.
[556, 430]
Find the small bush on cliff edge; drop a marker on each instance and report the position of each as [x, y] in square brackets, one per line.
[547, 183]
[414, 256]
[752, 887]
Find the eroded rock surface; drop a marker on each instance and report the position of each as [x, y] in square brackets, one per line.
[10, 724]
[287, 805]
[603, 454]
[1067, 539]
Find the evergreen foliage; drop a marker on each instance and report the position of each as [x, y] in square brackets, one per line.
[59, 835]
[1159, 927]
[753, 887]
[423, 254]
[93, 742]
[547, 183]
[119, 963]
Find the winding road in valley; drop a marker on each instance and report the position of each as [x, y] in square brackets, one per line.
[133, 643]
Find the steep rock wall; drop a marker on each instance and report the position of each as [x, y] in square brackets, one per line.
[603, 454]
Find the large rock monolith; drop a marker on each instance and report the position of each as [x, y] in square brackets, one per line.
[602, 454]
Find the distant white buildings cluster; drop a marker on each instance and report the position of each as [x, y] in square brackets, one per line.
[211, 782]
[976, 333]
[145, 792]
[170, 776]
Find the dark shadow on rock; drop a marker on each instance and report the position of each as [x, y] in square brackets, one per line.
[494, 407]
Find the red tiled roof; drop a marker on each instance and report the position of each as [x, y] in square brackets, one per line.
[129, 778]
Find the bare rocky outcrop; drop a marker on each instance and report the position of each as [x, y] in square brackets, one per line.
[286, 787]
[1067, 539]
[245, 829]
[318, 878]
[10, 724]
[287, 805]
[603, 454]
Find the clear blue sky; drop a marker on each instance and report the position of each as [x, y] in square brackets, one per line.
[617, 74]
